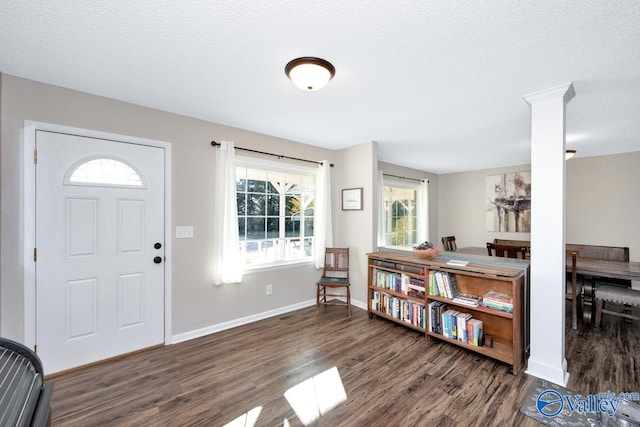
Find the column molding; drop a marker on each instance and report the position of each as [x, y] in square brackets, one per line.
[548, 272]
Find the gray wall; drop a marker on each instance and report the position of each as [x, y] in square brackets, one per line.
[601, 196]
[197, 304]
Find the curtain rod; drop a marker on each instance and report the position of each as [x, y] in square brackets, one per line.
[405, 177]
[280, 156]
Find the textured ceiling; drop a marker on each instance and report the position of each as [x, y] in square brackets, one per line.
[438, 84]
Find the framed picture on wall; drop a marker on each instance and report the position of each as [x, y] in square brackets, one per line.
[352, 199]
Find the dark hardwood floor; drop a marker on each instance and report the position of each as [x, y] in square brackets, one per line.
[390, 374]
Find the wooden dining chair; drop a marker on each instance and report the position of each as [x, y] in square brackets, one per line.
[449, 243]
[335, 277]
[573, 288]
[507, 251]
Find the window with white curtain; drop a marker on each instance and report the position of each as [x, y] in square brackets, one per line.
[403, 212]
[276, 212]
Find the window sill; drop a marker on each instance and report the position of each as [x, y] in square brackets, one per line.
[276, 266]
[400, 249]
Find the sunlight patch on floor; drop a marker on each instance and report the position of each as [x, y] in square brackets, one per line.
[316, 396]
[248, 419]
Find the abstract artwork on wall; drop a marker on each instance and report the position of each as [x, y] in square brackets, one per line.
[509, 202]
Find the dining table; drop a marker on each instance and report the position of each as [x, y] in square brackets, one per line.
[591, 270]
[626, 270]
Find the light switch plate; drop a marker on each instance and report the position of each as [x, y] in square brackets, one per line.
[184, 232]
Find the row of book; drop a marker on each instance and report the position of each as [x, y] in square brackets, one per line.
[399, 308]
[398, 282]
[443, 284]
[455, 325]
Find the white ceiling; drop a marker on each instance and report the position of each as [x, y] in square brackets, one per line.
[438, 84]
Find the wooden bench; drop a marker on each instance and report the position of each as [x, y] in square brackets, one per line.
[626, 297]
[611, 253]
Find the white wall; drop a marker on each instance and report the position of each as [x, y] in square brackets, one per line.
[601, 195]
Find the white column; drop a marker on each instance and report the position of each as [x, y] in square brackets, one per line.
[547, 358]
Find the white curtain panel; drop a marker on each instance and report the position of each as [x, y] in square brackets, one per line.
[423, 211]
[323, 225]
[227, 263]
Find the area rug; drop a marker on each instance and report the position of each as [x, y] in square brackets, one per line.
[551, 394]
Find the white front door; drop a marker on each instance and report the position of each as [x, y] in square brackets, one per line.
[100, 249]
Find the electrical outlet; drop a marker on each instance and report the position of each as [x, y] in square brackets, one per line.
[269, 289]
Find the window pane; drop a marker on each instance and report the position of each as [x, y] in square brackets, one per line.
[256, 204]
[242, 228]
[256, 186]
[292, 226]
[273, 205]
[308, 226]
[241, 184]
[293, 205]
[255, 228]
[242, 203]
[273, 228]
[105, 172]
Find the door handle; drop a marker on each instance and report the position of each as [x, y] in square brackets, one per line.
[157, 245]
[157, 259]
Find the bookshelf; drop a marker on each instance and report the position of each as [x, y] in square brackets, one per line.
[394, 294]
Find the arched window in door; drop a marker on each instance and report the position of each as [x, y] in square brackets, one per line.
[104, 172]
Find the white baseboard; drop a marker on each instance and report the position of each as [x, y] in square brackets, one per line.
[248, 319]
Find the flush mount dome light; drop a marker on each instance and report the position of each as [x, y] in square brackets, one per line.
[309, 73]
[569, 154]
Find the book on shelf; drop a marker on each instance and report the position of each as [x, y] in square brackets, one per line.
[385, 264]
[474, 332]
[415, 287]
[498, 297]
[461, 326]
[507, 308]
[498, 301]
[409, 268]
[452, 282]
[442, 289]
[436, 308]
[468, 299]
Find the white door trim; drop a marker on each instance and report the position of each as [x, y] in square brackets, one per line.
[29, 215]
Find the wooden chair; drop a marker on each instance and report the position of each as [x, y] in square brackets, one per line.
[508, 251]
[573, 290]
[512, 242]
[335, 276]
[449, 243]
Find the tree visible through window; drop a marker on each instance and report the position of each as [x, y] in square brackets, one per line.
[275, 215]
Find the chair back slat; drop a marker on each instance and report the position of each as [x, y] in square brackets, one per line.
[507, 251]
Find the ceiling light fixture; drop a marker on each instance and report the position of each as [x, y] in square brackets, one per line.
[569, 154]
[309, 73]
